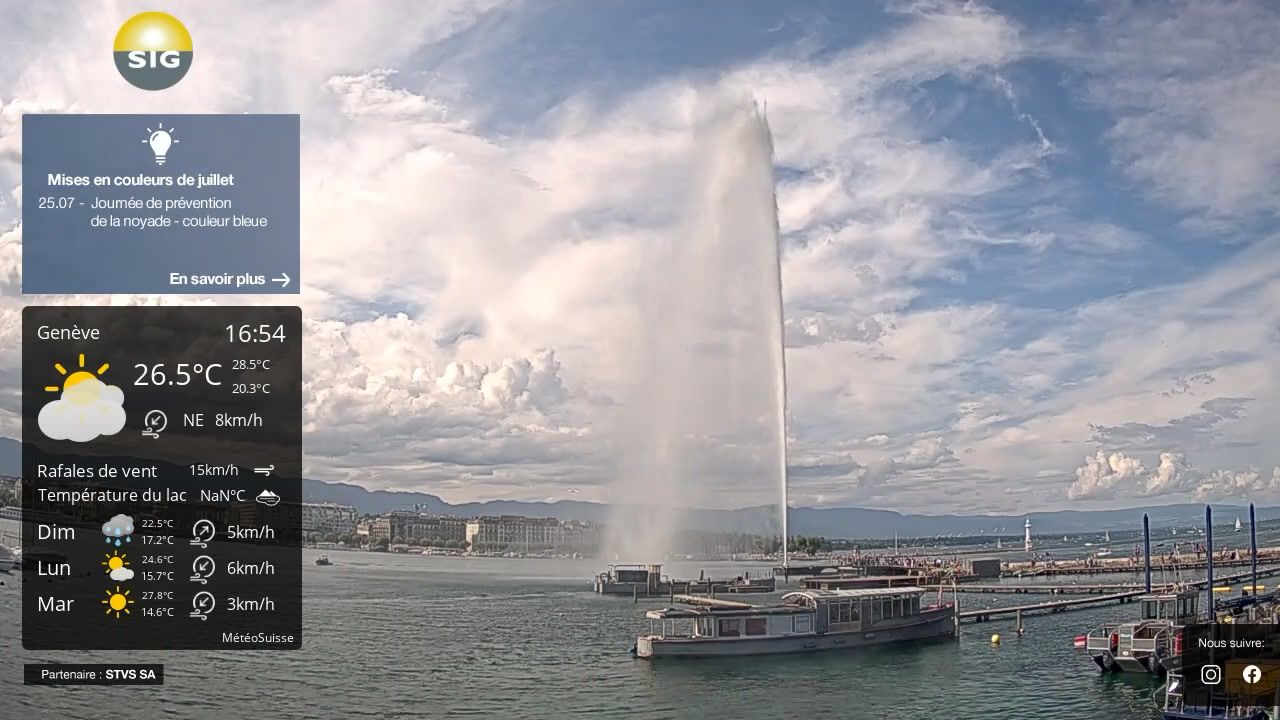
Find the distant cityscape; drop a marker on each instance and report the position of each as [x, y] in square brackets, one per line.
[416, 528]
[410, 530]
[403, 529]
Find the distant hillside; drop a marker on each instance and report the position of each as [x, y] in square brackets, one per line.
[832, 522]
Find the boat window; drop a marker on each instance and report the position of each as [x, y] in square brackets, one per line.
[730, 628]
[757, 626]
[853, 612]
[842, 612]
[1149, 610]
[802, 624]
[704, 627]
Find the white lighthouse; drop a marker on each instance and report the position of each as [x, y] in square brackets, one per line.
[1026, 538]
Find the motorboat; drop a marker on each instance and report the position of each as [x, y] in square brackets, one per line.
[1146, 644]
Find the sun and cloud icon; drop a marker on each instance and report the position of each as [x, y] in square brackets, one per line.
[117, 566]
[87, 408]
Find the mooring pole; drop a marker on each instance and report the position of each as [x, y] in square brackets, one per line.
[1208, 546]
[1146, 545]
[1253, 551]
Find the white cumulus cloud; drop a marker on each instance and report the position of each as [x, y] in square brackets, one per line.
[1102, 473]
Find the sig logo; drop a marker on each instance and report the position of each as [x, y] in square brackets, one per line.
[153, 50]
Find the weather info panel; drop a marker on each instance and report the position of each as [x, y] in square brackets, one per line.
[161, 487]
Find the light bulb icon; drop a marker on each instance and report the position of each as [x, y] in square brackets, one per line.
[160, 140]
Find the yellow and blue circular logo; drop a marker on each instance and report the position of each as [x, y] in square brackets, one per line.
[153, 50]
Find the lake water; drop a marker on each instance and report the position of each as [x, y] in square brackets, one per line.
[406, 636]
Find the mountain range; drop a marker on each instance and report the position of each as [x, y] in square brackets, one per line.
[849, 523]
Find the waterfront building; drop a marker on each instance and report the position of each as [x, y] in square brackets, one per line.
[402, 526]
[321, 520]
[14, 486]
[517, 533]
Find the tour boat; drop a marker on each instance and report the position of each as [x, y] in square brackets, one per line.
[804, 621]
[324, 560]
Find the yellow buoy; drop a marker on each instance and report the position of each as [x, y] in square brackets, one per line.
[995, 639]
[1254, 588]
[1221, 589]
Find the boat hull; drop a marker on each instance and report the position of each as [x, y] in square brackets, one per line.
[1146, 663]
[1214, 714]
[940, 625]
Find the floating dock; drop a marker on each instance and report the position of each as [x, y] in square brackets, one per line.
[1082, 589]
[647, 581]
[838, 582]
[1023, 569]
[1056, 606]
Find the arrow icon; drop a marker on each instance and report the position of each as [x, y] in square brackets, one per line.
[283, 280]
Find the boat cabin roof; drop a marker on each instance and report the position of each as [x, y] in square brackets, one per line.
[854, 593]
[737, 610]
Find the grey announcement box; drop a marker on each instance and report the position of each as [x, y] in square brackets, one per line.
[203, 204]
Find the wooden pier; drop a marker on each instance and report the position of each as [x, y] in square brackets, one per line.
[1052, 606]
[1081, 589]
[1069, 567]
[837, 582]
[1057, 606]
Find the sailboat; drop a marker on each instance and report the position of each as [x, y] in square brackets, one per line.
[1239, 526]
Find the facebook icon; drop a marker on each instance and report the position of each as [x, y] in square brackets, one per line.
[1252, 674]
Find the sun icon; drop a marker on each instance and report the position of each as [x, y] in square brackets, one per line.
[115, 561]
[117, 602]
[76, 377]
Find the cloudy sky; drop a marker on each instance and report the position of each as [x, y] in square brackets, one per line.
[1030, 255]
